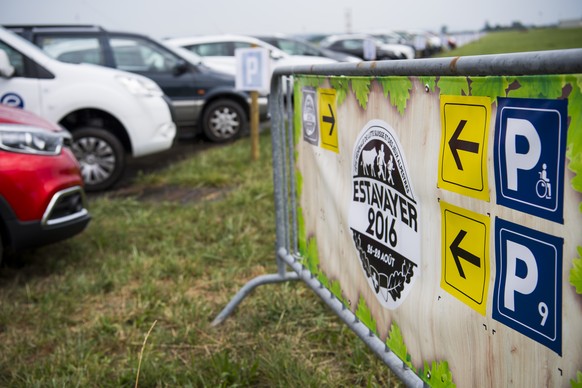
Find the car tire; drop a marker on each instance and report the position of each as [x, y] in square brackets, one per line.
[223, 120]
[101, 157]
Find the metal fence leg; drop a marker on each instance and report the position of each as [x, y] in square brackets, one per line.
[248, 288]
[379, 347]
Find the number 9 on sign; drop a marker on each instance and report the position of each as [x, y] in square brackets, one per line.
[543, 309]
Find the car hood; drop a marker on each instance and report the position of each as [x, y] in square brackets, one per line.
[217, 74]
[227, 64]
[226, 67]
[292, 60]
[11, 115]
[341, 57]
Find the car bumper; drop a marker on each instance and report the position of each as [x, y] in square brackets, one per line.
[264, 108]
[154, 131]
[65, 216]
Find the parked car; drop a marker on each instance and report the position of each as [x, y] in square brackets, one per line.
[42, 200]
[425, 43]
[110, 113]
[294, 46]
[203, 99]
[388, 37]
[354, 44]
[219, 51]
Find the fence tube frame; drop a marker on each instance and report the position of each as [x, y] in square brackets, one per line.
[398, 367]
[528, 63]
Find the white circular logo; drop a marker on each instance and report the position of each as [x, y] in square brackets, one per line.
[384, 214]
[12, 99]
[309, 115]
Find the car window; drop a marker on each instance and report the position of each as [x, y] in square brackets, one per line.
[217, 49]
[289, 47]
[353, 44]
[140, 55]
[241, 45]
[72, 49]
[16, 59]
[296, 48]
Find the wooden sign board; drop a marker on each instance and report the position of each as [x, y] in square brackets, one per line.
[446, 214]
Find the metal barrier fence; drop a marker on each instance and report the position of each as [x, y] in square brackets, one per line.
[448, 193]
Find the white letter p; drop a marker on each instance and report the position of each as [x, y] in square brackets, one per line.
[520, 161]
[514, 283]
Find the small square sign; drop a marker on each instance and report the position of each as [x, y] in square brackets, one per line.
[530, 148]
[528, 283]
[252, 69]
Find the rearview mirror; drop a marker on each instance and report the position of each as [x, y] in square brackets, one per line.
[180, 68]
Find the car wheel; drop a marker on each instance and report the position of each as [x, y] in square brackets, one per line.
[101, 157]
[223, 120]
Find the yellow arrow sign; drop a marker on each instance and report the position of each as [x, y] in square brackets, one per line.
[327, 119]
[465, 255]
[463, 152]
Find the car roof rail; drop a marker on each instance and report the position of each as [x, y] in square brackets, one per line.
[53, 27]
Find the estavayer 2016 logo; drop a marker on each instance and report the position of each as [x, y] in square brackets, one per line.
[384, 214]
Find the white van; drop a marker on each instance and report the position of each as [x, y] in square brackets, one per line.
[110, 113]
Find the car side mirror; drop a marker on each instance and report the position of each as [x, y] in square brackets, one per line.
[180, 68]
[276, 55]
[6, 69]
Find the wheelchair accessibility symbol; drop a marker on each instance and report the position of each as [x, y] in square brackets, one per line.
[544, 187]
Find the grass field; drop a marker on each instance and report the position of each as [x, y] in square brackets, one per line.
[520, 41]
[77, 313]
[138, 289]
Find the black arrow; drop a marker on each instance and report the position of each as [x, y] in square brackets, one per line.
[330, 119]
[455, 144]
[459, 252]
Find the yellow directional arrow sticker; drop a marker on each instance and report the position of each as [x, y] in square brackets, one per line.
[463, 152]
[465, 255]
[327, 119]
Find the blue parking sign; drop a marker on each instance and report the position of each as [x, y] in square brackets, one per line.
[528, 283]
[252, 69]
[529, 155]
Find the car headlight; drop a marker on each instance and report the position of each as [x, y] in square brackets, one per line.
[140, 86]
[32, 140]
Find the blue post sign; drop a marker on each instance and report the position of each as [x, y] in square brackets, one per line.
[252, 69]
[528, 284]
[530, 146]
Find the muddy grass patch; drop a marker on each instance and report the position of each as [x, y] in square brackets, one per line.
[173, 194]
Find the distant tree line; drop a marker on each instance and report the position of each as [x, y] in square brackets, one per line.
[514, 26]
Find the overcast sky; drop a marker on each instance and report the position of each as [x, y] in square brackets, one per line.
[166, 18]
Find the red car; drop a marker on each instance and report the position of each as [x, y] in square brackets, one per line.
[41, 189]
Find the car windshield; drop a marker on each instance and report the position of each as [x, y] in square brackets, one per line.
[188, 55]
[72, 49]
[297, 48]
[9, 37]
[389, 38]
[136, 54]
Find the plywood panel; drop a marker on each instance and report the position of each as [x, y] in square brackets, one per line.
[436, 324]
